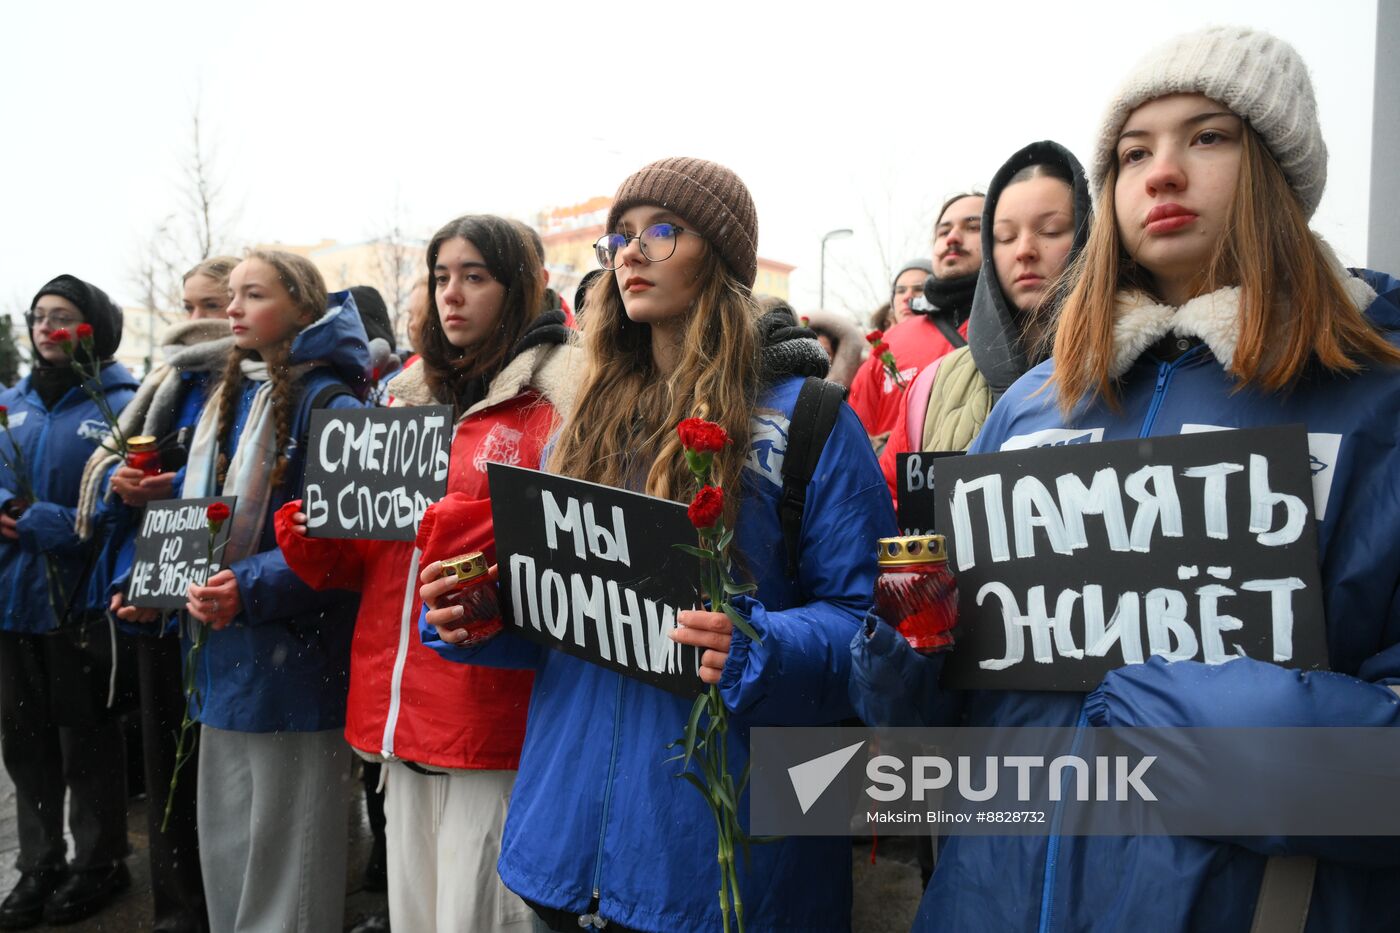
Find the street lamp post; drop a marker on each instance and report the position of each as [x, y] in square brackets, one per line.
[829, 235]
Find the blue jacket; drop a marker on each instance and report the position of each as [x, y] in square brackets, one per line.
[283, 665]
[1188, 883]
[121, 521]
[56, 445]
[597, 810]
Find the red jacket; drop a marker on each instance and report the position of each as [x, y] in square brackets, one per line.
[405, 701]
[915, 342]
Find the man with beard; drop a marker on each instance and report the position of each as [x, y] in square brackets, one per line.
[938, 325]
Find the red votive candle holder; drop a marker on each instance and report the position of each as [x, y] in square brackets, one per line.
[475, 592]
[916, 592]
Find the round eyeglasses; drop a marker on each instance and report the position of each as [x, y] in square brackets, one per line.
[54, 319]
[658, 243]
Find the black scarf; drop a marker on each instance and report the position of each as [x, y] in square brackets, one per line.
[788, 349]
[53, 382]
[951, 298]
[547, 329]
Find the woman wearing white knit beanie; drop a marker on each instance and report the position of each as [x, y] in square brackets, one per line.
[1202, 301]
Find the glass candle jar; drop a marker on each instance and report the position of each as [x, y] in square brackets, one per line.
[916, 592]
[141, 454]
[475, 592]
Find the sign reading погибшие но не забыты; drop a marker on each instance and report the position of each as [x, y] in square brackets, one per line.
[172, 551]
[1075, 560]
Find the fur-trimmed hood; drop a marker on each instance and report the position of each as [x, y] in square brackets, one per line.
[1212, 318]
[553, 370]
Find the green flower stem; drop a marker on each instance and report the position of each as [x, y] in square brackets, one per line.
[92, 387]
[185, 740]
[184, 743]
[709, 745]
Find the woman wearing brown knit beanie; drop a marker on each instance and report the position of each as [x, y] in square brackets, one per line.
[1203, 302]
[600, 827]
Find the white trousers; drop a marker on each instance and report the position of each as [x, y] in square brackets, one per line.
[273, 830]
[443, 837]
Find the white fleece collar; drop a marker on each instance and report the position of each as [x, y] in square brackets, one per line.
[1212, 318]
[554, 370]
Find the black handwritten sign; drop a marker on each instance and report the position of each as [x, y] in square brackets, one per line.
[373, 472]
[592, 571]
[916, 503]
[1072, 561]
[172, 551]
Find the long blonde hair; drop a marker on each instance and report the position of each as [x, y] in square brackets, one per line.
[1292, 311]
[307, 289]
[625, 420]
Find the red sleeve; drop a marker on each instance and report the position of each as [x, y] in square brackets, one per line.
[320, 563]
[865, 392]
[457, 524]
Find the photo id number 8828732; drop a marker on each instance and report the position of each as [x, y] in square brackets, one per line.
[1011, 816]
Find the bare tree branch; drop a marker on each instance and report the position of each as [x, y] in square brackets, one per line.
[396, 257]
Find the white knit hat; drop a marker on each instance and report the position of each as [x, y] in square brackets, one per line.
[1259, 77]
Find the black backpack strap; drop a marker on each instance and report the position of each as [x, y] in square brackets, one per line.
[949, 332]
[328, 394]
[813, 417]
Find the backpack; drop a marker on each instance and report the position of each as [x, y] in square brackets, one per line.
[813, 417]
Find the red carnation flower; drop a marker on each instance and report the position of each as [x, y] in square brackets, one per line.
[61, 336]
[875, 336]
[84, 332]
[880, 348]
[705, 509]
[701, 436]
[217, 513]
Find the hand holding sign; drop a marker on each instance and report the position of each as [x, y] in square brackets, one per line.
[217, 602]
[132, 614]
[176, 547]
[709, 630]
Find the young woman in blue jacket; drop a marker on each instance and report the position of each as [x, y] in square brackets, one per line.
[271, 678]
[600, 829]
[1202, 301]
[58, 738]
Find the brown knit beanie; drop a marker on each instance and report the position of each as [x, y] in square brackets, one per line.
[709, 196]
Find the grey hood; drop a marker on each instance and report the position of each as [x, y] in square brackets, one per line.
[994, 331]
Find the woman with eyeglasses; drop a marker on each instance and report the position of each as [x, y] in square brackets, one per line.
[56, 730]
[601, 832]
[450, 736]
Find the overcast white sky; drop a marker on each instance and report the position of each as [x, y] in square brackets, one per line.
[857, 114]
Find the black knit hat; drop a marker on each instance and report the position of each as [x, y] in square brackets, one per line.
[99, 311]
[706, 195]
[374, 313]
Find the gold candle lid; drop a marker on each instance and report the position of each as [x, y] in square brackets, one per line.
[914, 549]
[141, 444]
[465, 567]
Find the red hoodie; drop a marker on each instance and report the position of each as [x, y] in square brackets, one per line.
[405, 701]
